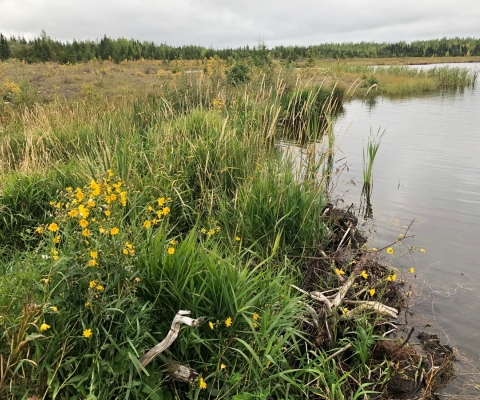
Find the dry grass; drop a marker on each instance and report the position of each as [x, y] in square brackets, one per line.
[77, 81]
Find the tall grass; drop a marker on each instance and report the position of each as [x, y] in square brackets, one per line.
[373, 144]
[196, 209]
[404, 80]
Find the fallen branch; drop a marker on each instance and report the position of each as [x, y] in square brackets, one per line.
[370, 305]
[345, 288]
[179, 320]
[316, 296]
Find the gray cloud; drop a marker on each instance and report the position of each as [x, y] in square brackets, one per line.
[235, 23]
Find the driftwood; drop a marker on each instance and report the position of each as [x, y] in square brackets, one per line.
[346, 287]
[179, 320]
[370, 305]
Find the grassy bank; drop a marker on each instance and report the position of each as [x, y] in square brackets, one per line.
[118, 208]
[46, 82]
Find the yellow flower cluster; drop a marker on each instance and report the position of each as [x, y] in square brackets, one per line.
[217, 104]
[157, 213]
[93, 211]
[210, 232]
[12, 87]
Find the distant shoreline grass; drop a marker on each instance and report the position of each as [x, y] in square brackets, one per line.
[45, 82]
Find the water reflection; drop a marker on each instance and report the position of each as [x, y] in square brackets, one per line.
[427, 169]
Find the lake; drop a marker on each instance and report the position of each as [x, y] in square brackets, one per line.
[427, 169]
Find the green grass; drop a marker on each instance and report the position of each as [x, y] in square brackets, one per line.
[240, 221]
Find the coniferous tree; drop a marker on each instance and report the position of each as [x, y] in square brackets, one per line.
[4, 48]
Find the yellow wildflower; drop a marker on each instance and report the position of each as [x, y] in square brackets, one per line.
[83, 211]
[53, 227]
[86, 232]
[107, 213]
[202, 383]
[255, 324]
[73, 213]
[211, 232]
[39, 230]
[147, 224]
[101, 230]
[93, 254]
[90, 203]
[56, 239]
[364, 274]
[83, 223]
[44, 327]
[129, 245]
[228, 322]
[161, 201]
[137, 279]
[113, 197]
[339, 271]
[392, 278]
[87, 304]
[114, 231]
[345, 310]
[256, 316]
[150, 208]
[92, 284]
[203, 230]
[100, 288]
[223, 366]
[79, 194]
[125, 251]
[171, 250]
[390, 250]
[54, 308]
[55, 258]
[375, 249]
[412, 270]
[92, 263]
[87, 333]
[210, 324]
[422, 250]
[69, 189]
[372, 292]
[237, 238]
[173, 242]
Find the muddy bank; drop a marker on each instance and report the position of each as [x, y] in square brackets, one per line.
[355, 294]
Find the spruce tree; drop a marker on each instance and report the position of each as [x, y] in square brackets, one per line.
[4, 48]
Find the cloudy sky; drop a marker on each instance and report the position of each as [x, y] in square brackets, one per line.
[222, 23]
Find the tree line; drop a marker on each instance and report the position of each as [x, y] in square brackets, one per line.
[43, 48]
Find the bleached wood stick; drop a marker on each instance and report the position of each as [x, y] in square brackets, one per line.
[179, 320]
[348, 284]
[371, 305]
[316, 296]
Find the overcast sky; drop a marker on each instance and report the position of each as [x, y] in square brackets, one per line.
[222, 23]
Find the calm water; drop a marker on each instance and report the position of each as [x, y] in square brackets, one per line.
[427, 169]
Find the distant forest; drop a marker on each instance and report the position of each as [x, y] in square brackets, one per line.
[43, 48]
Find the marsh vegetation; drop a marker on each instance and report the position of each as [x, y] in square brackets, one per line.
[122, 203]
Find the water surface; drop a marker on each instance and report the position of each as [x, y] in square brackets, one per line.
[427, 169]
